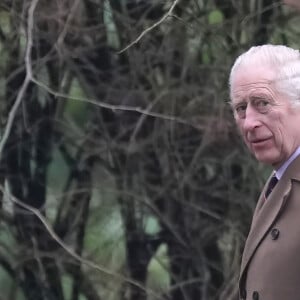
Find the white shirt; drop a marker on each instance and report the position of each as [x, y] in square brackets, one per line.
[282, 169]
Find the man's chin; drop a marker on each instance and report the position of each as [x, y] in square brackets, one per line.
[267, 160]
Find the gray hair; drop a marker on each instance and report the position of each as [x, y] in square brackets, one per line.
[283, 60]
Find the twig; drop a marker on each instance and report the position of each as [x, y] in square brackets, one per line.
[259, 12]
[63, 34]
[115, 107]
[168, 14]
[13, 111]
[69, 250]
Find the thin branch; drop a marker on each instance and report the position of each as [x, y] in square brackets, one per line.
[86, 286]
[168, 14]
[248, 17]
[69, 250]
[64, 32]
[143, 118]
[13, 111]
[116, 107]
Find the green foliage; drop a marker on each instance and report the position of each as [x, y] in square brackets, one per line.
[151, 225]
[113, 39]
[158, 270]
[5, 22]
[76, 107]
[215, 17]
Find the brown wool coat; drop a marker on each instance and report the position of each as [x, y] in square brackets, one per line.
[270, 268]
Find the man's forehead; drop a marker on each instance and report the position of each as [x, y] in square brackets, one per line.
[240, 92]
[254, 73]
[252, 80]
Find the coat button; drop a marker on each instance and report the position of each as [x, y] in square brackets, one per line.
[255, 295]
[243, 294]
[275, 234]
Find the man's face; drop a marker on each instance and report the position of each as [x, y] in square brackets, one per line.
[269, 125]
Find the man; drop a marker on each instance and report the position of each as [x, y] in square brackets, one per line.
[265, 97]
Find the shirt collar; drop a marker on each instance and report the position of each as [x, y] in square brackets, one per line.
[281, 170]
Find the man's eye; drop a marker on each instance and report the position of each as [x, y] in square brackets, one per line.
[241, 108]
[262, 105]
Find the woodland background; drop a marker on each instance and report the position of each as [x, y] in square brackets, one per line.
[122, 175]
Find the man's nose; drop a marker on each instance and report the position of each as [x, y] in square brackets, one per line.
[251, 119]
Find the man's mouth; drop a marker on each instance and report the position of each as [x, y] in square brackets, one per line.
[259, 141]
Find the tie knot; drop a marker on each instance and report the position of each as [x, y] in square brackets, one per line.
[272, 183]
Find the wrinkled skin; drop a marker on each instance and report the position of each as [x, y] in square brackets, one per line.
[268, 123]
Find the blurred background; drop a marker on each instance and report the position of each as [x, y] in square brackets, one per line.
[122, 175]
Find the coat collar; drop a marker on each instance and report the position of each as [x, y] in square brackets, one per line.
[266, 213]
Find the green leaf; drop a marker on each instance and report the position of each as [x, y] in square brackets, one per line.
[215, 17]
[151, 225]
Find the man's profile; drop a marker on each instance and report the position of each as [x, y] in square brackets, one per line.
[265, 98]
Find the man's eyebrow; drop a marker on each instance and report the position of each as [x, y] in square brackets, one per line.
[238, 99]
[259, 96]
[234, 104]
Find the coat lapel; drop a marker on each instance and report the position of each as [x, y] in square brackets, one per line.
[264, 217]
[267, 211]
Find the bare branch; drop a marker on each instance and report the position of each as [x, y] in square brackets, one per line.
[69, 250]
[168, 14]
[117, 107]
[21, 93]
[63, 34]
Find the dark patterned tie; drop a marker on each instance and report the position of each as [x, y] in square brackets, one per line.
[271, 186]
